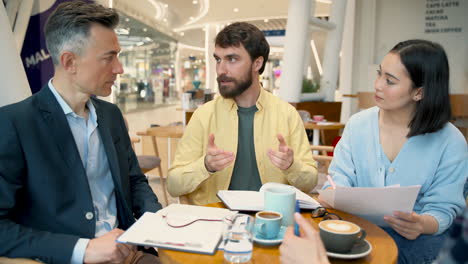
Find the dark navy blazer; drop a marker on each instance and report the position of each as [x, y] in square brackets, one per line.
[44, 191]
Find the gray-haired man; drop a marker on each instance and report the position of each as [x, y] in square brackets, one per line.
[69, 180]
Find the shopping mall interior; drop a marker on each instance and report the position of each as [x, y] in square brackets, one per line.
[323, 54]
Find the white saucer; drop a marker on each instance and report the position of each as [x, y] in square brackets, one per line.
[359, 250]
[270, 242]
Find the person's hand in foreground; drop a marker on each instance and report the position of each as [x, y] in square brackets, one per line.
[308, 248]
[106, 249]
[216, 159]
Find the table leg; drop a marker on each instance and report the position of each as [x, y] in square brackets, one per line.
[316, 140]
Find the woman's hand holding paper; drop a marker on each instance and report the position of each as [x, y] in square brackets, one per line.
[411, 225]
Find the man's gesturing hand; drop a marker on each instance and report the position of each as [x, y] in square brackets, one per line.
[217, 159]
[284, 157]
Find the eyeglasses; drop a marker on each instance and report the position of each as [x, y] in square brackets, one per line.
[322, 212]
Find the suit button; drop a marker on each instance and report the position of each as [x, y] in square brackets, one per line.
[89, 215]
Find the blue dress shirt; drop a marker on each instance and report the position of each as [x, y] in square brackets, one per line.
[97, 169]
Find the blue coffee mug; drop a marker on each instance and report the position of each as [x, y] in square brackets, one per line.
[281, 199]
[268, 224]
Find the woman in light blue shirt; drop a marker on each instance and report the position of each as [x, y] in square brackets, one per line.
[407, 140]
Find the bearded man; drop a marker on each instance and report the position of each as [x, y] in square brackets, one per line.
[245, 137]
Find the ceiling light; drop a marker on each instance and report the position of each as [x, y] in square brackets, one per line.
[145, 29]
[194, 2]
[266, 20]
[236, 9]
[140, 43]
[191, 18]
[127, 19]
[182, 33]
[166, 5]
[165, 19]
[121, 31]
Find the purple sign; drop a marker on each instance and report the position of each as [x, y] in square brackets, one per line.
[34, 54]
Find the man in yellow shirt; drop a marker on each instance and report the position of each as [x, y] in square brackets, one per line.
[245, 137]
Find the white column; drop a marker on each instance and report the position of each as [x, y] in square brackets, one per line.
[178, 72]
[307, 53]
[12, 7]
[346, 65]
[22, 21]
[15, 86]
[296, 40]
[332, 50]
[210, 34]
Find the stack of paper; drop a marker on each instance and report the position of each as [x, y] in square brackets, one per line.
[254, 201]
[175, 227]
[371, 203]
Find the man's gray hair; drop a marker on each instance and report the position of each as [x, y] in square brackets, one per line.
[67, 28]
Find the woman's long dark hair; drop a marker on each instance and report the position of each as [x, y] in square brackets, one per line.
[428, 68]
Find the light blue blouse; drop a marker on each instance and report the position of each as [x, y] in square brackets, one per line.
[437, 161]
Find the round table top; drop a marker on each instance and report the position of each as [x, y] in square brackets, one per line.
[324, 126]
[384, 249]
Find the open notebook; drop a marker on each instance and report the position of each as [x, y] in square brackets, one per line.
[170, 228]
[253, 201]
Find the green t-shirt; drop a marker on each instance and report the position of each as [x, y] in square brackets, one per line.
[245, 174]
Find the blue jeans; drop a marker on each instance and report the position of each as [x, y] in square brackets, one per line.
[422, 250]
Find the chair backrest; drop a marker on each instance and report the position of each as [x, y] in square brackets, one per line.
[164, 132]
[167, 132]
[322, 155]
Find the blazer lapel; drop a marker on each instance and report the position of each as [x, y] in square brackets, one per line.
[60, 130]
[108, 143]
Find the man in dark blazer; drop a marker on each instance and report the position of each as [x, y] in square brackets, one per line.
[70, 182]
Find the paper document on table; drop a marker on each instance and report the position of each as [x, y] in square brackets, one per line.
[254, 201]
[371, 203]
[179, 227]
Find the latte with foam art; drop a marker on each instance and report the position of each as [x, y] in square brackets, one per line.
[338, 226]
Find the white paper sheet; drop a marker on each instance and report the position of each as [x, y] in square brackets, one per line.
[371, 203]
[201, 236]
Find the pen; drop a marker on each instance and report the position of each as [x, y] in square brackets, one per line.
[296, 226]
[332, 183]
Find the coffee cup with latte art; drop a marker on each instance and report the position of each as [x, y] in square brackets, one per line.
[339, 236]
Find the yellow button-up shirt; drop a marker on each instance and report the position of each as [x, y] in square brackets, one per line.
[188, 174]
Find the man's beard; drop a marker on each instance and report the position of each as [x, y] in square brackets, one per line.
[239, 86]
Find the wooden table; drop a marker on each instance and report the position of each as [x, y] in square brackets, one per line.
[384, 249]
[318, 129]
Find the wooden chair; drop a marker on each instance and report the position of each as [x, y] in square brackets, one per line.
[146, 162]
[134, 140]
[323, 155]
[168, 132]
[5, 260]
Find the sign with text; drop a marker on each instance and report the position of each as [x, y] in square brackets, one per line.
[444, 16]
